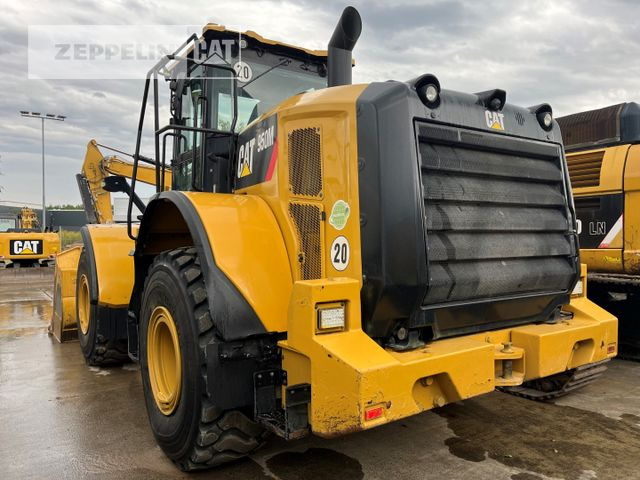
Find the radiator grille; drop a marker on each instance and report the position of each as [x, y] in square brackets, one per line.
[305, 162]
[585, 168]
[307, 219]
[496, 216]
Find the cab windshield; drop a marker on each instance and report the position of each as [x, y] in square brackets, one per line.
[264, 80]
[268, 87]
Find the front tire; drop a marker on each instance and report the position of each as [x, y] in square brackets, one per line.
[175, 327]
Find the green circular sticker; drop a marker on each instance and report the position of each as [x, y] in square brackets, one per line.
[339, 214]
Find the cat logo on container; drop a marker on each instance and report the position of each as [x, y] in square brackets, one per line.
[25, 247]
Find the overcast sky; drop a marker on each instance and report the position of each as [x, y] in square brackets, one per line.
[574, 55]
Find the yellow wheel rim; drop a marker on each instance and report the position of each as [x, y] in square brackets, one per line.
[164, 361]
[84, 305]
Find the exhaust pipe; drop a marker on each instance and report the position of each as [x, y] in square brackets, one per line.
[341, 45]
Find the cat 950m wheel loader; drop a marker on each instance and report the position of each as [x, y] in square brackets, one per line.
[333, 257]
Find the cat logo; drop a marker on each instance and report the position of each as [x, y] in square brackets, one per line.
[494, 120]
[245, 158]
[25, 247]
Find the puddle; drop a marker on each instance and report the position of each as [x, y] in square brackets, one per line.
[316, 464]
[550, 440]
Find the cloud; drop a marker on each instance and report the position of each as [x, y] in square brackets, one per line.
[574, 55]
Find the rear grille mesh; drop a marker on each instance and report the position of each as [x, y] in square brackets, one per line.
[496, 218]
[307, 219]
[585, 168]
[305, 162]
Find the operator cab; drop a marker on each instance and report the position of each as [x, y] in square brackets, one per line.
[225, 83]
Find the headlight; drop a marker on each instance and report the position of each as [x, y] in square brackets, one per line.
[547, 119]
[331, 318]
[578, 290]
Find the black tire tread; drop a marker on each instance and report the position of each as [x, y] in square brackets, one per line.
[223, 435]
[108, 352]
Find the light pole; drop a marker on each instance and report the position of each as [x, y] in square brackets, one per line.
[48, 116]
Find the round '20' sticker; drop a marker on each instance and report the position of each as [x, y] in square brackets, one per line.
[340, 253]
[244, 73]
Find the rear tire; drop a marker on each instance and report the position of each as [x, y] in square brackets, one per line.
[194, 433]
[97, 350]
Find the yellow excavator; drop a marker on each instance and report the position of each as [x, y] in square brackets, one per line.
[100, 176]
[323, 257]
[23, 244]
[603, 154]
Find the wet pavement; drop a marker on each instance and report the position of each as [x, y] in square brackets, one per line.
[61, 419]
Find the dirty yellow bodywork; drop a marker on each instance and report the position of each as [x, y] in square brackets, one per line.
[350, 374]
[114, 264]
[245, 237]
[607, 171]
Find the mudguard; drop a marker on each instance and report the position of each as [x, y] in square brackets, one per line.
[239, 243]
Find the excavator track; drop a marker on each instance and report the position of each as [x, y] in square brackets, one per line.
[556, 386]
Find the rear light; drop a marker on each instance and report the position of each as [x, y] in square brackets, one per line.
[373, 413]
[611, 348]
[331, 318]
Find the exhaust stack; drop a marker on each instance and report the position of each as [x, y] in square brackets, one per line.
[341, 45]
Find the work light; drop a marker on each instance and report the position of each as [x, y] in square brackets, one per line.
[431, 93]
[331, 318]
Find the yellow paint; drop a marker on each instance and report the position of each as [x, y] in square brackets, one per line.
[261, 39]
[350, 373]
[164, 360]
[248, 247]
[84, 304]
[620, 173]
[332, 111]
[28, 219]
[63, 322]
[111, 248]
[50, 245]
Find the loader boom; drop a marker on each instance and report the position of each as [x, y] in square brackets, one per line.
[96, 182]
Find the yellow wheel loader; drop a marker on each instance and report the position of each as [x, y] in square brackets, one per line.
[604, 164]
[328, 257]
[23, 244]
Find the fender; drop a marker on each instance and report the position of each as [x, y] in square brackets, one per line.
[110, 265]
[241, 249]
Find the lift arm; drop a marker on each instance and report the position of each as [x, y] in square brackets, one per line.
[102, 175]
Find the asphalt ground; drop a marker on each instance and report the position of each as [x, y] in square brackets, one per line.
[62, 419]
